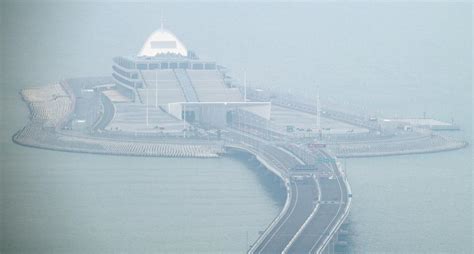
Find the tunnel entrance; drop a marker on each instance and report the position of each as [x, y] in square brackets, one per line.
[190, 116]
[229, 117]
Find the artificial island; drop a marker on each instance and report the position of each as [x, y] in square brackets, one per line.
[166, 101]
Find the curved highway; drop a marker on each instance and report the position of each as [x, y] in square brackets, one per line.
[318, 199]
[301, 206]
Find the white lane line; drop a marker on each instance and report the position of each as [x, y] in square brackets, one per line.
[284, 221]
[327, 227]
[292, 155]
[288, 199]
[334, 229]
[310, 217]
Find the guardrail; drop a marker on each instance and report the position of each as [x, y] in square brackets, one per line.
[259, 149]
[348, 205]
[256, 147]
[310, 217]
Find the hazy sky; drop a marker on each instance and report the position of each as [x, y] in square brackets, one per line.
[355, 49]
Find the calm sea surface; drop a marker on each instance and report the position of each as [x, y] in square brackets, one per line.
[394, 59]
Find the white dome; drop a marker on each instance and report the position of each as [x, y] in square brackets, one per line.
[163, 41]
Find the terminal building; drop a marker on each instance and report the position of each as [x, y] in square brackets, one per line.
[166, 74]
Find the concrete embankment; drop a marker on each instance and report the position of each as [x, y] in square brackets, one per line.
[50, 107]
[36, 136]
[426, 144]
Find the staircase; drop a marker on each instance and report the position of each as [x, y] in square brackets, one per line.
[186, 85]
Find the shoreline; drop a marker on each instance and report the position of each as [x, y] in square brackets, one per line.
[73, 143]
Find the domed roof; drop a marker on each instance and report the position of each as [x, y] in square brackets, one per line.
[163, 41]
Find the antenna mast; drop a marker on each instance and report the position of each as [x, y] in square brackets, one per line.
[162, 26]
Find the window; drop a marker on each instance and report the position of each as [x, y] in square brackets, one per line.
[121, 72]
[142, 66]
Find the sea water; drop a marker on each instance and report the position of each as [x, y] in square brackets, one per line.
[395, 59]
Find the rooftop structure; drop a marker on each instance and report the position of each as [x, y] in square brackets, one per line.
[164, 74]
[162, 41]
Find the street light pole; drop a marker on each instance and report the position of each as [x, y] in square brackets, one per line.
[156, 89]
[184, 120]
[146, 106]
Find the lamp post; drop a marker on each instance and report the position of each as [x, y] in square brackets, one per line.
[156, 89]
[184, 120]
[146, 106]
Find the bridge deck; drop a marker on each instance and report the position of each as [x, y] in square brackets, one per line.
[305, 197]
[317, 204]
[331, 207]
